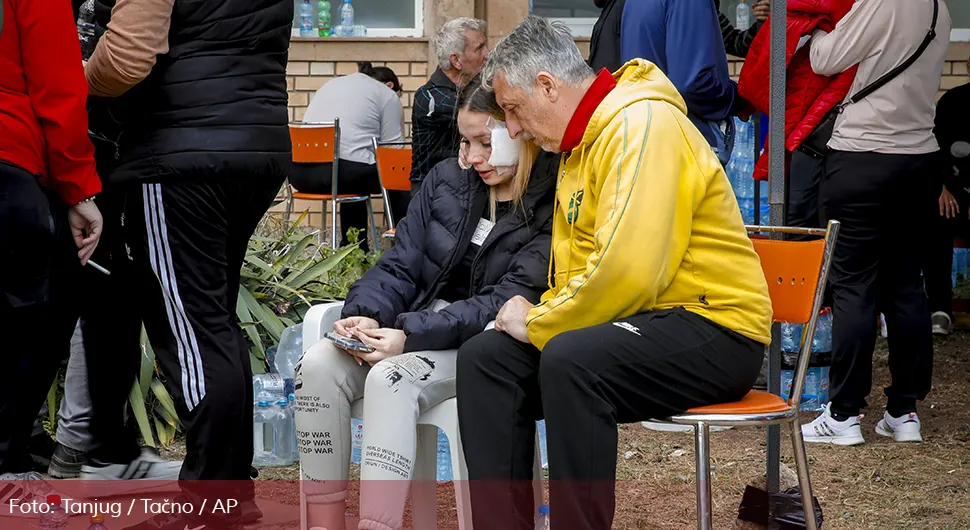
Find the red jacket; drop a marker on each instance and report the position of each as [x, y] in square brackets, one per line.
[43, 120]
[809, 96]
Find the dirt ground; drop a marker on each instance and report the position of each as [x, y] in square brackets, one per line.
[879, 485]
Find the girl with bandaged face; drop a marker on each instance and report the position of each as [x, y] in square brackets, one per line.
[476, 235]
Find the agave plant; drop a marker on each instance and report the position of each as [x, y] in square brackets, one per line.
[286, 271]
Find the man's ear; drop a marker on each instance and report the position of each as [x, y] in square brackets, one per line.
[455, 61]
[548, 85]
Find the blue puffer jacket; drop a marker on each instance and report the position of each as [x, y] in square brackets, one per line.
[514, 260]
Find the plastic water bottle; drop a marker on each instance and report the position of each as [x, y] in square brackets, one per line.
[823, 332]
[55, 518]
[288, 356]
[324, 22]
[357, 439]
[87, 30]
[444, 471]
[542, 523]
[294, 443]
[265, 422]
[268, 387]
[306, 19]
[543, 452]
[347, 16]
[97, 522]
[744, 13]
[285, 432]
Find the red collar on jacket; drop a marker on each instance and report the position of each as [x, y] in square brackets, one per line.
[597, 92]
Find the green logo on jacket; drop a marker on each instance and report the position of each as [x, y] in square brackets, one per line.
[572, 213]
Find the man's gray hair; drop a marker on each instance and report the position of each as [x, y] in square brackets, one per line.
[536, 45]
[451, 38]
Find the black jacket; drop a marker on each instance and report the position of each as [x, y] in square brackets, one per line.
[604, 44]
[214, 106]
[435, 126]
[431, 240]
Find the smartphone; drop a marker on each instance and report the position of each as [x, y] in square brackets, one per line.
[348, 343]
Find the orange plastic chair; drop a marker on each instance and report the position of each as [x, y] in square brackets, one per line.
[394, 170]
[319, 143]
[797, 272]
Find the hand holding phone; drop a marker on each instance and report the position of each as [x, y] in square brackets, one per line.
[348, 343]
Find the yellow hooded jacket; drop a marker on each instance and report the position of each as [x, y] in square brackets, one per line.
[646, 220]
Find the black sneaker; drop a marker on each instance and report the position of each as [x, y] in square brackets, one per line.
[66, 462]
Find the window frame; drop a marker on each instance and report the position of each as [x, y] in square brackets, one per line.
[580, 27]
[382, 33]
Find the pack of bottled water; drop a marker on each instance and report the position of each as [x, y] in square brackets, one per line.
[740, 171]
[816, 390]
[274, 426]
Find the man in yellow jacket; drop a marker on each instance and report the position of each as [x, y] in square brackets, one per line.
[657, 301]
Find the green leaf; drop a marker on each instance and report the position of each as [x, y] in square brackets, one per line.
[166, 432]
[165, 400]
[295, 252]
[270, 322]
[137, 401]
[244, 315]
[52, 404]
[318, 269]
[147, 369]
[295, 224]
[268, 270]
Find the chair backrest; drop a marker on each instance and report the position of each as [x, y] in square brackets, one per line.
[394, 165]
[315, 143]
[797, 272]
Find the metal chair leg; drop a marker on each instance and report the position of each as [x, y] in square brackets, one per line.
[702, 457]
[804, 480]
[333, 223]
[289, 201]
[373, 225]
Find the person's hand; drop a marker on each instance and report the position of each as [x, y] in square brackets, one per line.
[511, 318]
[761, 10]
[86, 224]
[948, 204]
[347, 325]
[386, 343]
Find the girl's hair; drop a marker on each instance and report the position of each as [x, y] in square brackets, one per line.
[380, 73]
[476, 98]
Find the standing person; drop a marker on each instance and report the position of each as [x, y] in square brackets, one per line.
[738, 41]
[683, 39]
[48, 181]
[461, 47]
[952, 131]
[200, 150]
[657, 301]
[881, 161]
[368, 105]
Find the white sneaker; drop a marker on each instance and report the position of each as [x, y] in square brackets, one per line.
[942, 324]
[664, 426]
[22, 488]
[148, 472]
[827, 430]
[903, 429]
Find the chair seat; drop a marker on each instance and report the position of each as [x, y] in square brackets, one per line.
[755, 402]
[327, 196]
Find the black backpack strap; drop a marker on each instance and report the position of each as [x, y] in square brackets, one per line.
[879, 83]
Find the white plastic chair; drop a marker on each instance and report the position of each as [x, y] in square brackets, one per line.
[424, 506]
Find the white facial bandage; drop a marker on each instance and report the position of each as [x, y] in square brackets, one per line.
[505, 149]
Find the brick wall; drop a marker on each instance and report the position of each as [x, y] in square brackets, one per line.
[314, 62]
